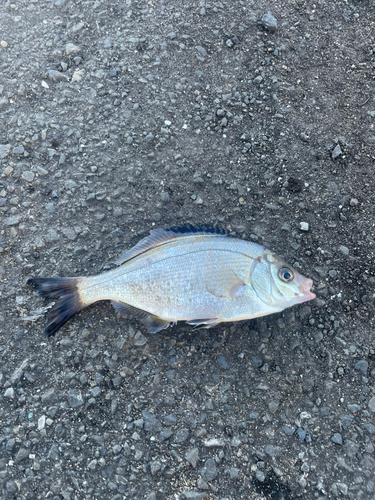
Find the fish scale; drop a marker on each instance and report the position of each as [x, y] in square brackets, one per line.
[187, 274]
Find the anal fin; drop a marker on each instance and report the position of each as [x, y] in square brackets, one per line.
[204, 323]
[153, 323]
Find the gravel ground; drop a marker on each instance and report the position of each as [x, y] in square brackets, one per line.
[118, 116]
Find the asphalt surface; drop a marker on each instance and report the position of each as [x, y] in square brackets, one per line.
[118, 117]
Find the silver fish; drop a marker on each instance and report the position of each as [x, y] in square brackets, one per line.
[201, 276]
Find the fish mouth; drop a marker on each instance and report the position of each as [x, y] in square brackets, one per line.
[305, 289]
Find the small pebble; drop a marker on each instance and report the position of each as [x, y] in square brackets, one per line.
[269, 22]
[209, 471]
[9, 393]
[336, 152]
[371, 404]
[362, 366]
[337, 438]
[344, 250]
[260, 476]
[192, 456]
[28, 176]
[304, 226]
[222, 362]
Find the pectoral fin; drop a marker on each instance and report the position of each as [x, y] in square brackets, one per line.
[226, 283]
[151, 322]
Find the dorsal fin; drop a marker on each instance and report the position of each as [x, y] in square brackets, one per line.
[160, 236]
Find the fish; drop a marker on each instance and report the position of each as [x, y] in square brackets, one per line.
[200, 275]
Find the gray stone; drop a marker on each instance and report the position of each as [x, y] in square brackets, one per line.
[170, 420]
[42, 171]
[341, 488]
[14, 220]
[337, 438]
[272, 451]
[21, 455]
[192, 456]
[289, 431]
[139, 339]
[222, 362]
[181, 436]
[371, 404]
[235, 442]
[214, 443]
[10, 445]
[51, 236]
[77, 27]
[301, 434]
[54, 453]
[9, 393]
[151, 424]
[70, 234]
[18, 150]
[260, 476]
[370, 428]
[336, 152]
[344, 250]
[258, 362]
[155, 466]
[4, 150]
[70, 48]
[362, 366]
[28, 176]
[351, 448]
[269, 22]
[209, 471]
[202, 50]
[70, 184]
[11, 487]
[273, 406]
[233, 473]
[3, 102]
[18, 372]
[165, 434]
[194, 495]
[354, 408]
[75, 398]
[49, 396]
[56, 76]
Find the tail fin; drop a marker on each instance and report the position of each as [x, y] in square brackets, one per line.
[68, 302]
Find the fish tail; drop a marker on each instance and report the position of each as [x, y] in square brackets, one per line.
[68, 302]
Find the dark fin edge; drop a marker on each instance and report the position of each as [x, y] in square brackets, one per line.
[68, 302]
[204, 228]
[160, 236]
[151, 322]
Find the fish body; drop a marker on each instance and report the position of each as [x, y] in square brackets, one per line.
[203, 277]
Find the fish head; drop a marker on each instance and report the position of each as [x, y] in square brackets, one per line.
[277, 284]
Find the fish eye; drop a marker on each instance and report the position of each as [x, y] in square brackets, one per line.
[286, 274]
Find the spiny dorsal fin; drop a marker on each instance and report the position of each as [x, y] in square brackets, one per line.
[160, 236]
